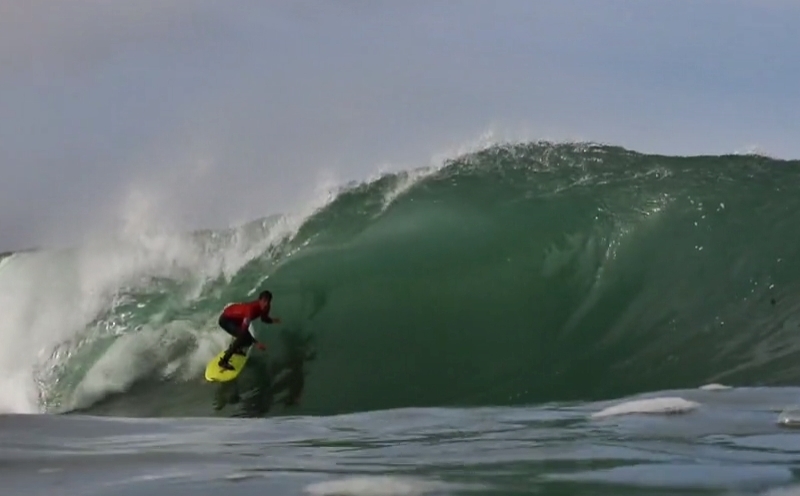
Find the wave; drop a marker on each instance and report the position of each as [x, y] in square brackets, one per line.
[520, 273]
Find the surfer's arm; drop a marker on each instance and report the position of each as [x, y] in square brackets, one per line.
[269, 320]
[258, 344]
[246, 328]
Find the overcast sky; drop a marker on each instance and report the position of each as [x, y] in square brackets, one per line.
[195, 112]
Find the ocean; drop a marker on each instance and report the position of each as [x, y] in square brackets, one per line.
[527, 318]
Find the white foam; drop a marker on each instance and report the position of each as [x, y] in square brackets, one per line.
[649, 406]
[48, 300]
[790, 417]
[715, 387]
[375, 486]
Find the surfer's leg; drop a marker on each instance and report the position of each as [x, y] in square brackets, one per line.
[233, 329]
[229, 326]
[224, 361]
[242, 343]
[238, 346]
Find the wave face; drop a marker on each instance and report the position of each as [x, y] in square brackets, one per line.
[518, 274]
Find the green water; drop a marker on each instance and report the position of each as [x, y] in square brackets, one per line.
[520, 274]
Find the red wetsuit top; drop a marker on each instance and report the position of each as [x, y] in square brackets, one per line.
[244, 313]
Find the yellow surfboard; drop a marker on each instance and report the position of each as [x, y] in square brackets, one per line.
[215, 373]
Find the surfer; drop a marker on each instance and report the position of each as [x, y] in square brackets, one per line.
[236, 319]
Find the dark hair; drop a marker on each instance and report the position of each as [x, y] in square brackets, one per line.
[265, 295]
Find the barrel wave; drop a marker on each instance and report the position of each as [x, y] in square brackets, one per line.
[521, 273]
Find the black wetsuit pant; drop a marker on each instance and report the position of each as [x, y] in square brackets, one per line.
[242, 338]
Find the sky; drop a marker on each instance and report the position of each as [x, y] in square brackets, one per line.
[193, 113]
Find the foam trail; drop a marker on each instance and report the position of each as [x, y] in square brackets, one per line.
[715, 387]
[159, 353]
[376, 486]
[649, 406]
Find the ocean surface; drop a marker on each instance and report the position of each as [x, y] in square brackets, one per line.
[529, 318]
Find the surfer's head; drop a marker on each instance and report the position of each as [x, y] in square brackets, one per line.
[265, 298]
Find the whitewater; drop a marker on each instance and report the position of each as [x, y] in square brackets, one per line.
[593, 317]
